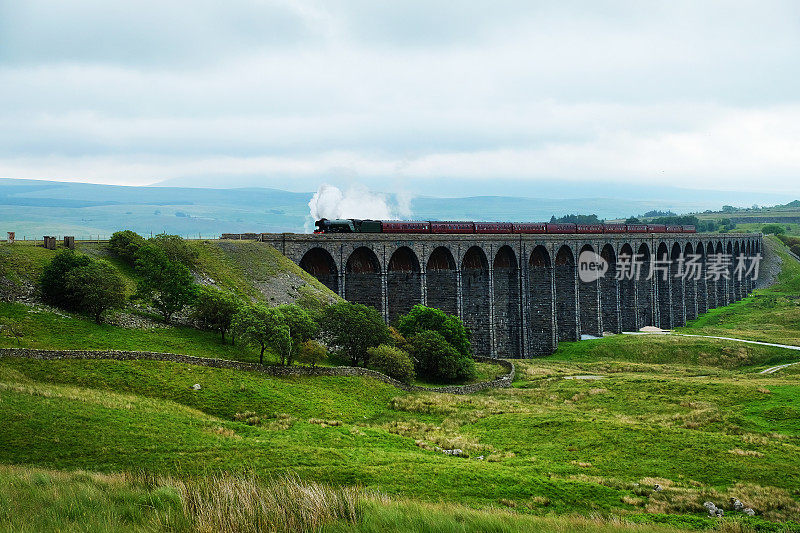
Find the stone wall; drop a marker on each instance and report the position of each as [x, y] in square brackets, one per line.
[502, 381]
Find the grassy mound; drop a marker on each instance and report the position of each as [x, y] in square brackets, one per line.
[668, 349]
[253, 270]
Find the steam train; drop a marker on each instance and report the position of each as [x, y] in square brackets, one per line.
[354, 225]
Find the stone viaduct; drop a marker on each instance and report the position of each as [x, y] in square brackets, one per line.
[522, 294]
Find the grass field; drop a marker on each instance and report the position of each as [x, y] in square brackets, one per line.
[549, 445]
[549, 454]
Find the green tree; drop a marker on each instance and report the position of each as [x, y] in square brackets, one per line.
[312, 353]
[353, 329]
[176, 248]
[125, 244]
[302, 327]
[214, 309]
[95, 288]
[264, 327]
[169, 284]
[393, 362]
[437, 360]
[773, 229]
[52, 279]
[421, 318]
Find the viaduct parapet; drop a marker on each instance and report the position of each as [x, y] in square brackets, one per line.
[522, 294]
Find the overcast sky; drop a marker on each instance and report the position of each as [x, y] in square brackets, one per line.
[292, 94]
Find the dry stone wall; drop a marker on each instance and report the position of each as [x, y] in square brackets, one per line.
[501, 381]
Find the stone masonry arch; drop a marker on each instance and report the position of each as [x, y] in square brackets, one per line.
[541, 320]
[609, 292]
[320, 263]
[645, 288]
[441, 281]
[364, 278]
[403, 282]
[627, 290]
[475, 294]
[566, 295]
[589, 302]
[507, 316]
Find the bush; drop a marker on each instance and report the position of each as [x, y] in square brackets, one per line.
[393, 362]
[95, 288]
[52, 280]
[773, 229]
[312, 353]
[422, 318]
[795, 249]
[125, 244]
[435, 359]
[353, 329]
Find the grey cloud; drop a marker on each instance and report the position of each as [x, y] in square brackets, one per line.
[526, 90]
[145, 32]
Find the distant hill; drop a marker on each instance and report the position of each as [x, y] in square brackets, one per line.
[33, 208]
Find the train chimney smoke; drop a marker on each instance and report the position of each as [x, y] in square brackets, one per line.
[356, 202]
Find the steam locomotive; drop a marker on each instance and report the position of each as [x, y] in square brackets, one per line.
[354, 225]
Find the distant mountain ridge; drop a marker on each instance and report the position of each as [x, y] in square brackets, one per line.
[34, 208]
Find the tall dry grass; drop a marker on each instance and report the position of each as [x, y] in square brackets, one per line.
[247, 504]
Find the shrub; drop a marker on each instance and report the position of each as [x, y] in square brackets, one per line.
[312, 353]
[52, 280]
[437, 360]
[422, 318]
[397, 338]
[774, 229]
[353, 329]
[125, 244]
[393, 362]
[95, 288]
[214, 309]
[168, 283]
[795, 249]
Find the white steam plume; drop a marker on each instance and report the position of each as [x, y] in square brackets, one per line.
[356, 202]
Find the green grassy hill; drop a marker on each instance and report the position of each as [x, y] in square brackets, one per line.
[690, 415]
[250, 269]
[254, 271]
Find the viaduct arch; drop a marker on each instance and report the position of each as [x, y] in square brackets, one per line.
[522, 294]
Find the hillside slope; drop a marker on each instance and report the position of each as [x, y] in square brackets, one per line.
[250, 269]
